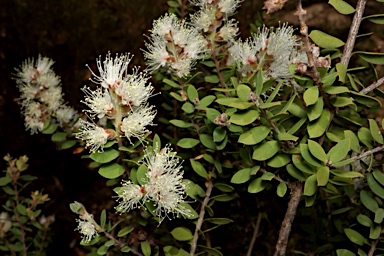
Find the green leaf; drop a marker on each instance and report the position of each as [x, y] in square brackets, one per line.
[257, 185]
[296, 110]
[111, 171]
[219, 134]
[210, 250]
[310, 185]
[180, 123]
[219, 221]
[8, 190]
[344, 252]
[318, 127]
[254, 135]
[125, 231]
[241, 176]
[244, 118]
[145, 248]
[379, 215]
[206, 101]
[372, 57]
[367, 200]
[176, 96]
[207, 141]
[103, 218]
[324, 40]
[187, 143]
[266, 150]
[5, 180]
[354, 236]
[211, 114]
[311, 95]
[241, 105]
[342, 7]
[374, 186]
[354, 140]
[105, 156]
[192, 93]
[173, 4]
[243, 91]
[336, 89]
[308, 157]
[199, 168]
[341, 71]
[295, 173]
[182, 234]
[315, 111]
[59, 136]
[364, 220]
[375, 131]
[287, 136]
[346, 174]
[279, 160]
[213, 79]
[379, 176]
[339, 151]
[281, 189]
[322, 176]
[102, 250]
[317, 151]
[21, 209]
[188, 108]
[50, 129]
[374, 231]
[68, 144]
[171, 83]
[365, 136]
[376, 18]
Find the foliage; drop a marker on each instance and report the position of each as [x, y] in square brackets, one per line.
[271, 116]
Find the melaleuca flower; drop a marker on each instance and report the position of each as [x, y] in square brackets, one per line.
[52, 98]
[86, 227]
[94, 136]
[174, 45]
[228, 7]
[134, 125]
[164, 186]
[112, 70]
[31, 70]
[270, 50]
[66, 114]
[134, 90]
[202, 20]
[99, 101]
[34, 116]
[5, 223]
[130, 196]
[228, 31]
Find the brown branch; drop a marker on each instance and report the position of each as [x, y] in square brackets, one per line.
[353, 32]
[372, 86]
[286, 225]
[254, 236]
[201, 217]
[367, 153]
[373, 247]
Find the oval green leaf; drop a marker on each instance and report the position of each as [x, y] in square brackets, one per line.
[111, 171]
[324, 40]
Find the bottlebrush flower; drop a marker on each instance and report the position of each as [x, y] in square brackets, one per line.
[112, 70]
[86, 227]
[174, 45]
[130, 196]
[134, 125]
[99, 101]
[94, 136]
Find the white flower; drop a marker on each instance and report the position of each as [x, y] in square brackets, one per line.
[134, 125]
[66, 114]
[229, 31]
[99, 101]
[52, 98]
[134, 90]
[165, 187]
[30, 70]
[202, 19]
[111, 70]
[244, 54]
[174, 45]
[86, 227]
[228, 7]
[130, 196]
[5, 223]
[48, 80]
[33, 123]
[94, 136]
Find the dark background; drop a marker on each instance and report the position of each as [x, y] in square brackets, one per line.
[73, 33]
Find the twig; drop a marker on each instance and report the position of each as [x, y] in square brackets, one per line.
[373, 248]
[372, 86]
[217, 65]
[201, 218]
[281, 245]
[353, 32]
[254, 236]
[367, 153]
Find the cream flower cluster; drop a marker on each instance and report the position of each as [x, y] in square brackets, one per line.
[41, 95]
[121, 98]
[163, 186]
[175, 45]
[271, 50]
[86, 227]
